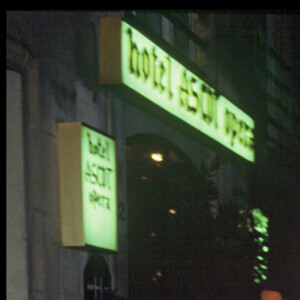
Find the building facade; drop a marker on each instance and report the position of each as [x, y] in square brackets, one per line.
[195, 202]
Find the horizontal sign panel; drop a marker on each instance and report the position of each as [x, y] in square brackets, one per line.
[88, 199]
[146, 68]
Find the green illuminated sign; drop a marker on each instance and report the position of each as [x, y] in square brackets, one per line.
[150, 71]
[99, 189]
[88, 193]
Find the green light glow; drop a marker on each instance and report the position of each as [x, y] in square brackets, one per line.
[264, 277]
[263, 267]
[257, 280]
[259, 270]
[153, 73]
[260, 222]
[99, 189]
[265, 249]
[261, 226]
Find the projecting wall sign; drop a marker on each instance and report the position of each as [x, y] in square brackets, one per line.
[87, 181]
[128, 57]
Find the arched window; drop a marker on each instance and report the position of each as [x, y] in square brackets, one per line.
[168, 217]
[97, 279]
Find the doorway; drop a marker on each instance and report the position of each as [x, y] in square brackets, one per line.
[168, 217]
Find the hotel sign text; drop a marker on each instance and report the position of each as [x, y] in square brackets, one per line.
[128, 57]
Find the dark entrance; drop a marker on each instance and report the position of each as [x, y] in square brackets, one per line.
[168, 217]
[97, 279]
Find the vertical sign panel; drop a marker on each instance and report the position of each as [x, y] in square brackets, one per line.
[88, 187]
[99, 189]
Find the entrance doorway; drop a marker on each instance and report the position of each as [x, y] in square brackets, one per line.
[168, 217]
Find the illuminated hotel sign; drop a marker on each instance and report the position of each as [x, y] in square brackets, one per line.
[87, 180]
[128, 57]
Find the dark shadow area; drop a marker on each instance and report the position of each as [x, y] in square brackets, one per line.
[177, 249]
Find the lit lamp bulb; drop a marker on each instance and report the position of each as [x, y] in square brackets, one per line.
[157, 156]
[172, 211]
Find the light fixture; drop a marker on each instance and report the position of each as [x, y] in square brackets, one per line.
[157, 156]
[172, 211]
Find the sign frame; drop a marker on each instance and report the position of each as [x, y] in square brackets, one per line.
[72, 221]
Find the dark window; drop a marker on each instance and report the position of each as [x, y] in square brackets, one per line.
[181, 39]
[151, 19]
